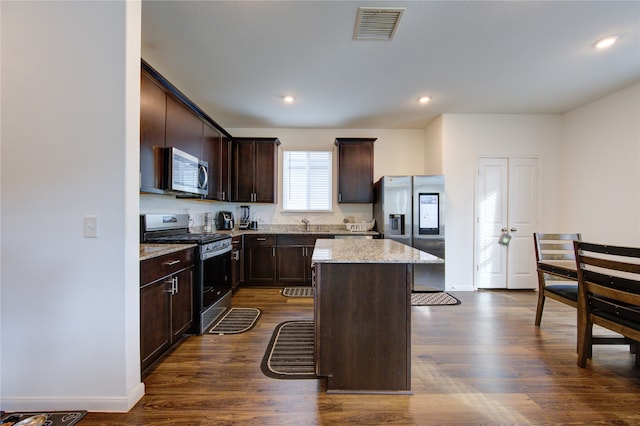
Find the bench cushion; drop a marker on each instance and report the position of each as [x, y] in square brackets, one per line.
[568, 291]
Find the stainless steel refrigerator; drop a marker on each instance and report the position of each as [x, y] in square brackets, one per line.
[410, 210]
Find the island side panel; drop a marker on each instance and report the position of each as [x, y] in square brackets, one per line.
[362, 314]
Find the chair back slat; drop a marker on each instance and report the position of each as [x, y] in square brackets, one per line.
[554, 246]
[549, 246]
[610, 264]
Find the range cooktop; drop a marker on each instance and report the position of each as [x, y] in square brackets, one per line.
[186, 238]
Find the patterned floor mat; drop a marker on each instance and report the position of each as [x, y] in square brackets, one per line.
[236, 320]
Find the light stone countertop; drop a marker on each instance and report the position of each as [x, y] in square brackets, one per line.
[296, 230]
[369, 251]
[147, 251]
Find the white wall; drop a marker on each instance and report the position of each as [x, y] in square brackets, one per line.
[433, 147]
[396, 152]
[69, 148]
[465, 137]
[601, 183]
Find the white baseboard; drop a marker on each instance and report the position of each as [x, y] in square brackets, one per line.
[119, 404]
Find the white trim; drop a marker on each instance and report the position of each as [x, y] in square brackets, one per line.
[90, 403]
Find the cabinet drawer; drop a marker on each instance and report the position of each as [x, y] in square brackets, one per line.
[259, 240]
[167, 264]
[299, 240]
[236, 242]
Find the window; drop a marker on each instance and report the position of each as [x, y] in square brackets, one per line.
[306, 180]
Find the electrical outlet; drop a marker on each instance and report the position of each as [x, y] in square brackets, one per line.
[91, 226]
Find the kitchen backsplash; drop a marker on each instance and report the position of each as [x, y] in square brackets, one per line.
[265, 214]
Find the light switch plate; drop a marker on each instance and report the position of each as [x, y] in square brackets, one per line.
[91, 226]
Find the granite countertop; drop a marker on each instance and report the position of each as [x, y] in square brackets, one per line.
[147, 251]
[297, 229]
[369, 251]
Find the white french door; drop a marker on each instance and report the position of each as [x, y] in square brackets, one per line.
[506, 202]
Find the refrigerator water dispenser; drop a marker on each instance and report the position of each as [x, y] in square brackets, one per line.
[396, 224]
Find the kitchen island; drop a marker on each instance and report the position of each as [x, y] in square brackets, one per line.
[362, 314]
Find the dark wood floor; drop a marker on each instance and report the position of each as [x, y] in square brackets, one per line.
[481, 362]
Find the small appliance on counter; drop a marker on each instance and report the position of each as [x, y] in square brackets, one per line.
[207, 222]
[244, 217]
[224, 221]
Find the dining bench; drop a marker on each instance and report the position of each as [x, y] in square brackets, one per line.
[608, 296]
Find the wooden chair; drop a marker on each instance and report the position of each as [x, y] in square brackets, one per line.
[551, 283]
[608, 295]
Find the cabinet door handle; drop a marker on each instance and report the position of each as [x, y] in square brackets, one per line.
[172, 283]
[172, 262]
[273, 251]
[261, 239]
[304, 251]
[514, 229]
[339, 198]
[175, 289]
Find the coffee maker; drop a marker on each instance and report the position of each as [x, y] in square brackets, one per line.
[245, 217]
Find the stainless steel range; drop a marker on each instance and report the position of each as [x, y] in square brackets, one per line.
[212, 276]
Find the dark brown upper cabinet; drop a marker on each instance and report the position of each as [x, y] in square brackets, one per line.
[355, 170]
[153, 104]
[215, 150]
[184, 128]
[254, 169]
[169, 119]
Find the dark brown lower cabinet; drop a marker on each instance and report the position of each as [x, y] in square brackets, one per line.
[273, 259]
[166, 303]
[181, 304]
[291, 264]
[293, 254]
[260, 259]
[362, 315]
[155, 337]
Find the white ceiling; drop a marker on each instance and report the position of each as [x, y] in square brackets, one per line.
[237, 59]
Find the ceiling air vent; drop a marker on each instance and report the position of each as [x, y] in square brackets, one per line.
[376, 23]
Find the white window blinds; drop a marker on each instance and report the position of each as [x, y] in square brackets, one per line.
[306, 180]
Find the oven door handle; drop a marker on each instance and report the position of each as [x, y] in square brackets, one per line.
[209, 255]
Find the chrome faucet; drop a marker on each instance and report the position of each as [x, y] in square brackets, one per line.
[307, 224]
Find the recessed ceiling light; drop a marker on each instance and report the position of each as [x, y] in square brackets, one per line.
[424, 99]
[605, 42]
[288, 99]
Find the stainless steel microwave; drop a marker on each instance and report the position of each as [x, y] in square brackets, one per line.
[186, 173]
